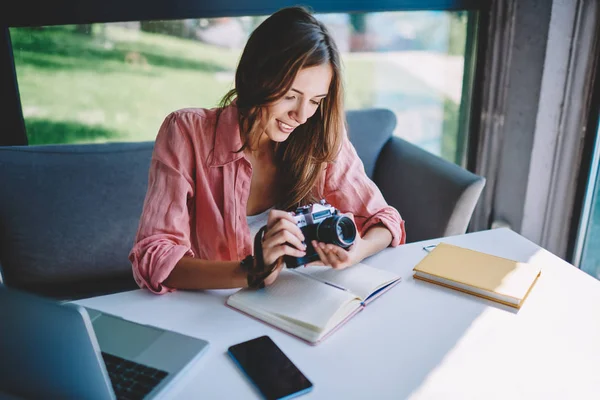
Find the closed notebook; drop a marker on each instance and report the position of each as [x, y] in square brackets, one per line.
[481, 274]
[312, 302]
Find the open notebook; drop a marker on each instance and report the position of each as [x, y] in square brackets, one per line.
[312, 302]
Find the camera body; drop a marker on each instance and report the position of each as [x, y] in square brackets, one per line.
[324, 223]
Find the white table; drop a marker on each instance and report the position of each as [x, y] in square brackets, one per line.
[418, 341]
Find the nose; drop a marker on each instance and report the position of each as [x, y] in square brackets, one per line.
[300, 113]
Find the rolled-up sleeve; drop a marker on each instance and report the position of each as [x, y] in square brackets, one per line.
[348, 188]
[163, 235]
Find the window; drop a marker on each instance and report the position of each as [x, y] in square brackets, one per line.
[589, 236]
[117, 81]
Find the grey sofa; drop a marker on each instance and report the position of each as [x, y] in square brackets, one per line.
[435, 197]
[69, 213]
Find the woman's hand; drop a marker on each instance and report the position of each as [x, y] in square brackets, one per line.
[338, 257]
[283, 237]
[269, 280]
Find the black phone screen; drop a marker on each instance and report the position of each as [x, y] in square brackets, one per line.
[271, 371]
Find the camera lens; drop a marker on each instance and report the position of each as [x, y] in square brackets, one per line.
[339, 230]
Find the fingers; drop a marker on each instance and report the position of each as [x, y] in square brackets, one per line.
[271, 253]
[318, 263]
[273, 275]
[325, 257]
[332, 255]
[283, 237]
[276, 215]
[284, 225]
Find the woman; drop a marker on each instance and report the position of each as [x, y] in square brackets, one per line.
[277, 141]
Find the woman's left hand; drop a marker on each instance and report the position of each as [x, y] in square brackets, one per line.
[338, 257]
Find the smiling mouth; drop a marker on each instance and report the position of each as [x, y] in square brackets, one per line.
[285, 127]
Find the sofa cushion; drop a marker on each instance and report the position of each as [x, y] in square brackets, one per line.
[68, 216]
[369, 130]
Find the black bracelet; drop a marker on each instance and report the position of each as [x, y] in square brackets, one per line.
[247, 264]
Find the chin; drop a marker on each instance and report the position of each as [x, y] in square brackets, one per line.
[277, 136]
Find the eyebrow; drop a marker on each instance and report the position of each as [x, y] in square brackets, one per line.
[297, 91]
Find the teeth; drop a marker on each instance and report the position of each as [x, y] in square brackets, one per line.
[286, 126]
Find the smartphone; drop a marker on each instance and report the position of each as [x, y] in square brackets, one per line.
[269, 369]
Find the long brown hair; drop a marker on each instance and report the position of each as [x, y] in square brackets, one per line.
[287, 41]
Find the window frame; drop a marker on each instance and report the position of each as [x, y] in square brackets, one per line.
[589, 169]
[74, 12]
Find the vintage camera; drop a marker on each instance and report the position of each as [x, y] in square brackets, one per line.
[323, 223]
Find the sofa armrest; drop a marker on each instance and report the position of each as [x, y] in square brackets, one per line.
[435, 197]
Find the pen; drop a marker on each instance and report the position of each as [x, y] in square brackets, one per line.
[335, 286]
[429, 248]
[320, 280]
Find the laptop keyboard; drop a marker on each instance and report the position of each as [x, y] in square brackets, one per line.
[131, 380]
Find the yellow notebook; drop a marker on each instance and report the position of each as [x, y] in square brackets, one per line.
[481, 274]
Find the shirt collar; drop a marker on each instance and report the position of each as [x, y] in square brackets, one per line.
[227, 140]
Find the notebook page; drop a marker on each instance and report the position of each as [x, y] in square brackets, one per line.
[296, 297]
[360, 279]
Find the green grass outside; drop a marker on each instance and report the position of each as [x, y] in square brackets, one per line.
[76, 88]
[119, 84]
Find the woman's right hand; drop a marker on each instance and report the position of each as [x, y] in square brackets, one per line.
[273, 275]
[282, 237]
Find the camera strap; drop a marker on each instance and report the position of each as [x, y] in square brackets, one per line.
[260, 272]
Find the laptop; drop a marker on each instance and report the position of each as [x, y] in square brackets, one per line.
[53, 350]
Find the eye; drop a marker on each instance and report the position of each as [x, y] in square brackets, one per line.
[291, 97]
[316, 103]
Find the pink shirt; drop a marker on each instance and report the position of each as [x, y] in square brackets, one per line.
[198, 188]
